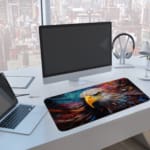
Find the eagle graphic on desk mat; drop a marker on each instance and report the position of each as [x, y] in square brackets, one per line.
[79, 107]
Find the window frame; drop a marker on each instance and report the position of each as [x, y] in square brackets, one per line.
[45, 12]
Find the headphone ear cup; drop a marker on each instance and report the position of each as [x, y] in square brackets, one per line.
[116, 55]
[128, 55]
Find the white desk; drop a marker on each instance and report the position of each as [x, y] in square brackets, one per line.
[92, 136]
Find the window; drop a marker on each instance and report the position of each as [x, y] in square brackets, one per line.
[19, 21]
[19, 45]
[131, 16]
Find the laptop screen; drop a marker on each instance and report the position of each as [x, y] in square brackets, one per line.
[7, 97]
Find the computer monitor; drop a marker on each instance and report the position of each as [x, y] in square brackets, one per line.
[71, 51]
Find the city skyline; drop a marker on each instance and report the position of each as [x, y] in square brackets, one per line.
[20, 19]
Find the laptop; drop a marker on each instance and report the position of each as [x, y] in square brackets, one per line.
[16, 117]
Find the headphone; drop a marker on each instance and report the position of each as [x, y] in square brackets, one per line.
[127, 54]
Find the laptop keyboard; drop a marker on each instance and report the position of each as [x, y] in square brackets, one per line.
[14, 118]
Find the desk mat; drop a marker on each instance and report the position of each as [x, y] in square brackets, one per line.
[79, 107]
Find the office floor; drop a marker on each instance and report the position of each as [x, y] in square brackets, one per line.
[129, 144]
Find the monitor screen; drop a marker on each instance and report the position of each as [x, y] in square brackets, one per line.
[75, 47]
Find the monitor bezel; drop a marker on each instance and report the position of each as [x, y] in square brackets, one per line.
[72, 75]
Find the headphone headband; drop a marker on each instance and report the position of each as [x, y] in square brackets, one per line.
[122, 34]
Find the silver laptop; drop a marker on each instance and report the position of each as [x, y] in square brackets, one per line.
[16, 117]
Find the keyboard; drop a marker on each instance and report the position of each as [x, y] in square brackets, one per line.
[16, 116]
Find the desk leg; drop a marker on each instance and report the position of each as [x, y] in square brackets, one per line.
[144, 139]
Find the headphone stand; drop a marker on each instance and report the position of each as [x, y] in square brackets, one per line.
[123, 54]
[122, 61]
[118, 66]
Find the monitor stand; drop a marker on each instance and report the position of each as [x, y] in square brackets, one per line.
[80, 82]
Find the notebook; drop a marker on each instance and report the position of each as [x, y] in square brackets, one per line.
[73, 109]
[16, 117]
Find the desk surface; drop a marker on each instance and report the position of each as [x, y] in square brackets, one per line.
[95, 135]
